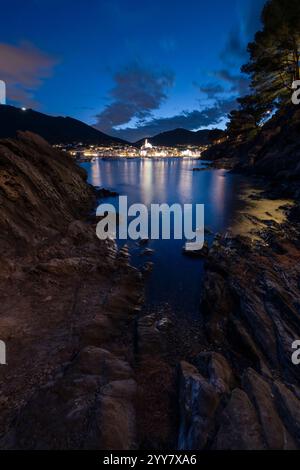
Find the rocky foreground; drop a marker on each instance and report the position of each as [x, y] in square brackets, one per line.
[88, 370]
[236, 385]
[68, 304]
[242, 391]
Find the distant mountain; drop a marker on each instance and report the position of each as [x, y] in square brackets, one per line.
[55, 130]
[184, 137]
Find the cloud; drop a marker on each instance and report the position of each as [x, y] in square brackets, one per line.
[239, 37]
[137, 92]
[191, 120]
[239, 84]
[235, 46]
[212, 91]
[23, 68]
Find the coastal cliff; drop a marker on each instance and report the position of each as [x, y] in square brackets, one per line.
[87, 370]
[68, 304]
[243, 390]
[274, 152]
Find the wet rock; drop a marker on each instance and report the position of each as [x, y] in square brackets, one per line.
[147, 268]
[208, 231]
[198, 404]
[197, 253]
[104, 193]
[164, 324]
[147, 252]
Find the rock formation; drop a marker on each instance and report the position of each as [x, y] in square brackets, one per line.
[243, 393]
[68, 305]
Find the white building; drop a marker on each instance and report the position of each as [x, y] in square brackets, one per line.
[147, 145]
[144, 149]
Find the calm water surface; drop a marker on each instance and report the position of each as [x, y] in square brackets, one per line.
[176, 280]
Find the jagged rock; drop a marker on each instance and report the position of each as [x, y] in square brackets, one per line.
[149, 336]
[104, 193]
[198, 403]
[100, 362]
[275, 434]
[217, 304]
[67, 310]
[252, 312]
[273, 152]
[148, 267]
[116, 422]
[220, 373]
[239, 426]
[289, 406]
[98, 331]
[164, 324]
[217, 370]
[242, 341]
[203, 253]
[147, 252]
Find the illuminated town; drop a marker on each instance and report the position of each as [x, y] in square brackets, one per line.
[147, 150]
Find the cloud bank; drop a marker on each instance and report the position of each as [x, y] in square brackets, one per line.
[190, 120]
[137, 92]
[23, 68]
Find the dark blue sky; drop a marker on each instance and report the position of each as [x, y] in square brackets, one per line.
[133, 68]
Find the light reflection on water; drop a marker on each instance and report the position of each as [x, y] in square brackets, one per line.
[176, 279]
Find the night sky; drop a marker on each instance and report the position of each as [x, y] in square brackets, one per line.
[131, 68]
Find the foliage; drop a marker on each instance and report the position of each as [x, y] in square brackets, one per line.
[272, 68]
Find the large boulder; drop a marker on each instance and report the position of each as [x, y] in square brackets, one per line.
[198, 404]
[239, 426]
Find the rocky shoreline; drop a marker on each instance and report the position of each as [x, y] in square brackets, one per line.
[243, 392]
[236, 387]
[90, 368]
[68, 309]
